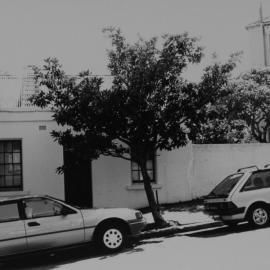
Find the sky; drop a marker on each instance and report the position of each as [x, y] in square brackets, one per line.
[71, 30]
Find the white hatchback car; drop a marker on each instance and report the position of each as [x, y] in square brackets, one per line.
[242, 196]
[42, 223]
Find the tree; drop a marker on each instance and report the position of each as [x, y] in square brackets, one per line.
[251, 94]
[147, 109]
[219, 120]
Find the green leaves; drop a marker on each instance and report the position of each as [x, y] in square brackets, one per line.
[147, 108]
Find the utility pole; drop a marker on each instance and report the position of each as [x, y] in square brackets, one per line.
[263, 34]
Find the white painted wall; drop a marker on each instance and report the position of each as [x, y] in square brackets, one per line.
[183, 174]
[41, 155]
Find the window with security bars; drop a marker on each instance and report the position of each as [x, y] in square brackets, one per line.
[136, 174]
[10, 165]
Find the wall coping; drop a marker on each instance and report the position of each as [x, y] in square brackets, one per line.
[25, 115]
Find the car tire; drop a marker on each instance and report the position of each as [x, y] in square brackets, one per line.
[112, 237]
[258, 216]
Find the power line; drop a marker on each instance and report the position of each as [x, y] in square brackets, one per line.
[14, 77]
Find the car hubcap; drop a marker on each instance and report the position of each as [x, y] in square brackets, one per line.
[112, 238]
[260, 216]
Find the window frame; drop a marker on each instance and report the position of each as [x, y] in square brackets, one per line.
[254, 176]
[13, 187]
[138, 170]
[69, 210]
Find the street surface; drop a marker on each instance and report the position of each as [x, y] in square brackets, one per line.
[218, 249]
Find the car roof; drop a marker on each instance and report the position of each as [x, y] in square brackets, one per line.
[19, 197]
[253, 169]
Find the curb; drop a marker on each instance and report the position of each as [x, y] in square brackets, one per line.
[178, 229]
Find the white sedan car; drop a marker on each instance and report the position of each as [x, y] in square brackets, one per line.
[42, 223]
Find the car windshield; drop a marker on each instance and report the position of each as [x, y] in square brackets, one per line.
[225, 187]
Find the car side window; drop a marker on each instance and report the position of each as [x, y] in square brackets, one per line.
[257, 181]
[42, 207]
[9, 212]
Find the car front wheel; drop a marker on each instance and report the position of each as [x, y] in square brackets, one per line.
[112, 237]
[259, 216]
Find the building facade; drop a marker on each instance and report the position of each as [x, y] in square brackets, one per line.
[29, 158]
[28, 155]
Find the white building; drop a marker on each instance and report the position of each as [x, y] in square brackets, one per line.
[29, 158]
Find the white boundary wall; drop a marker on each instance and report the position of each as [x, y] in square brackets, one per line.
[183, 174]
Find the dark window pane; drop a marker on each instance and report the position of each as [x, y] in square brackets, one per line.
[267, 181]
[1, 147]
[8, 158]
[10, 165]
[2, 158]
[9, 180]
[8, 146]
[2, 170]
[149, 165]
[2, 181]
[17, 180]
[140, 176]
[8, 169]
[151, 175]
[17, 169]
[134, 165]
[16, 157]
[17, 146]
[135, 176]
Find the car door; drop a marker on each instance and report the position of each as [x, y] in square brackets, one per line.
[51, 224]
[12, 230]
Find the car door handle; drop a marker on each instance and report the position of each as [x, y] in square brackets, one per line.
[32, 224]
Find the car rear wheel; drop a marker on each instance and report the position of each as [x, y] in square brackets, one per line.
[112, 237]
[258, 216]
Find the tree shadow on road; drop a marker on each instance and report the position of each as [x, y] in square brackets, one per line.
[222, 231]
[61, 258]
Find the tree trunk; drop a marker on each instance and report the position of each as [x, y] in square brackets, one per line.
[159, 220]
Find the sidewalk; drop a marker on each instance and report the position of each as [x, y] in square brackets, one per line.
[182, 220]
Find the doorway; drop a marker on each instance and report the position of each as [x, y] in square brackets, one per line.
[78, 179]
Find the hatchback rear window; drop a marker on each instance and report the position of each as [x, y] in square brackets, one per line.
[224, 188]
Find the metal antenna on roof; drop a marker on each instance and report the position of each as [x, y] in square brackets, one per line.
[261, 12]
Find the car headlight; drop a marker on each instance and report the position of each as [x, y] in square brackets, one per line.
[139, 215]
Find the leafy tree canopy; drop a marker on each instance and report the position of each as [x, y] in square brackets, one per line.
[149, 106]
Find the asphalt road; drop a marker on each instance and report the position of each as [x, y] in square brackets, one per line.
[218, 249]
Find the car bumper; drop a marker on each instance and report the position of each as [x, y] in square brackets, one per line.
[136, 226]
[223, 209]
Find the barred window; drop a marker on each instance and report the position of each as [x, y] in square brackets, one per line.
[10, 165]
[136, 174]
